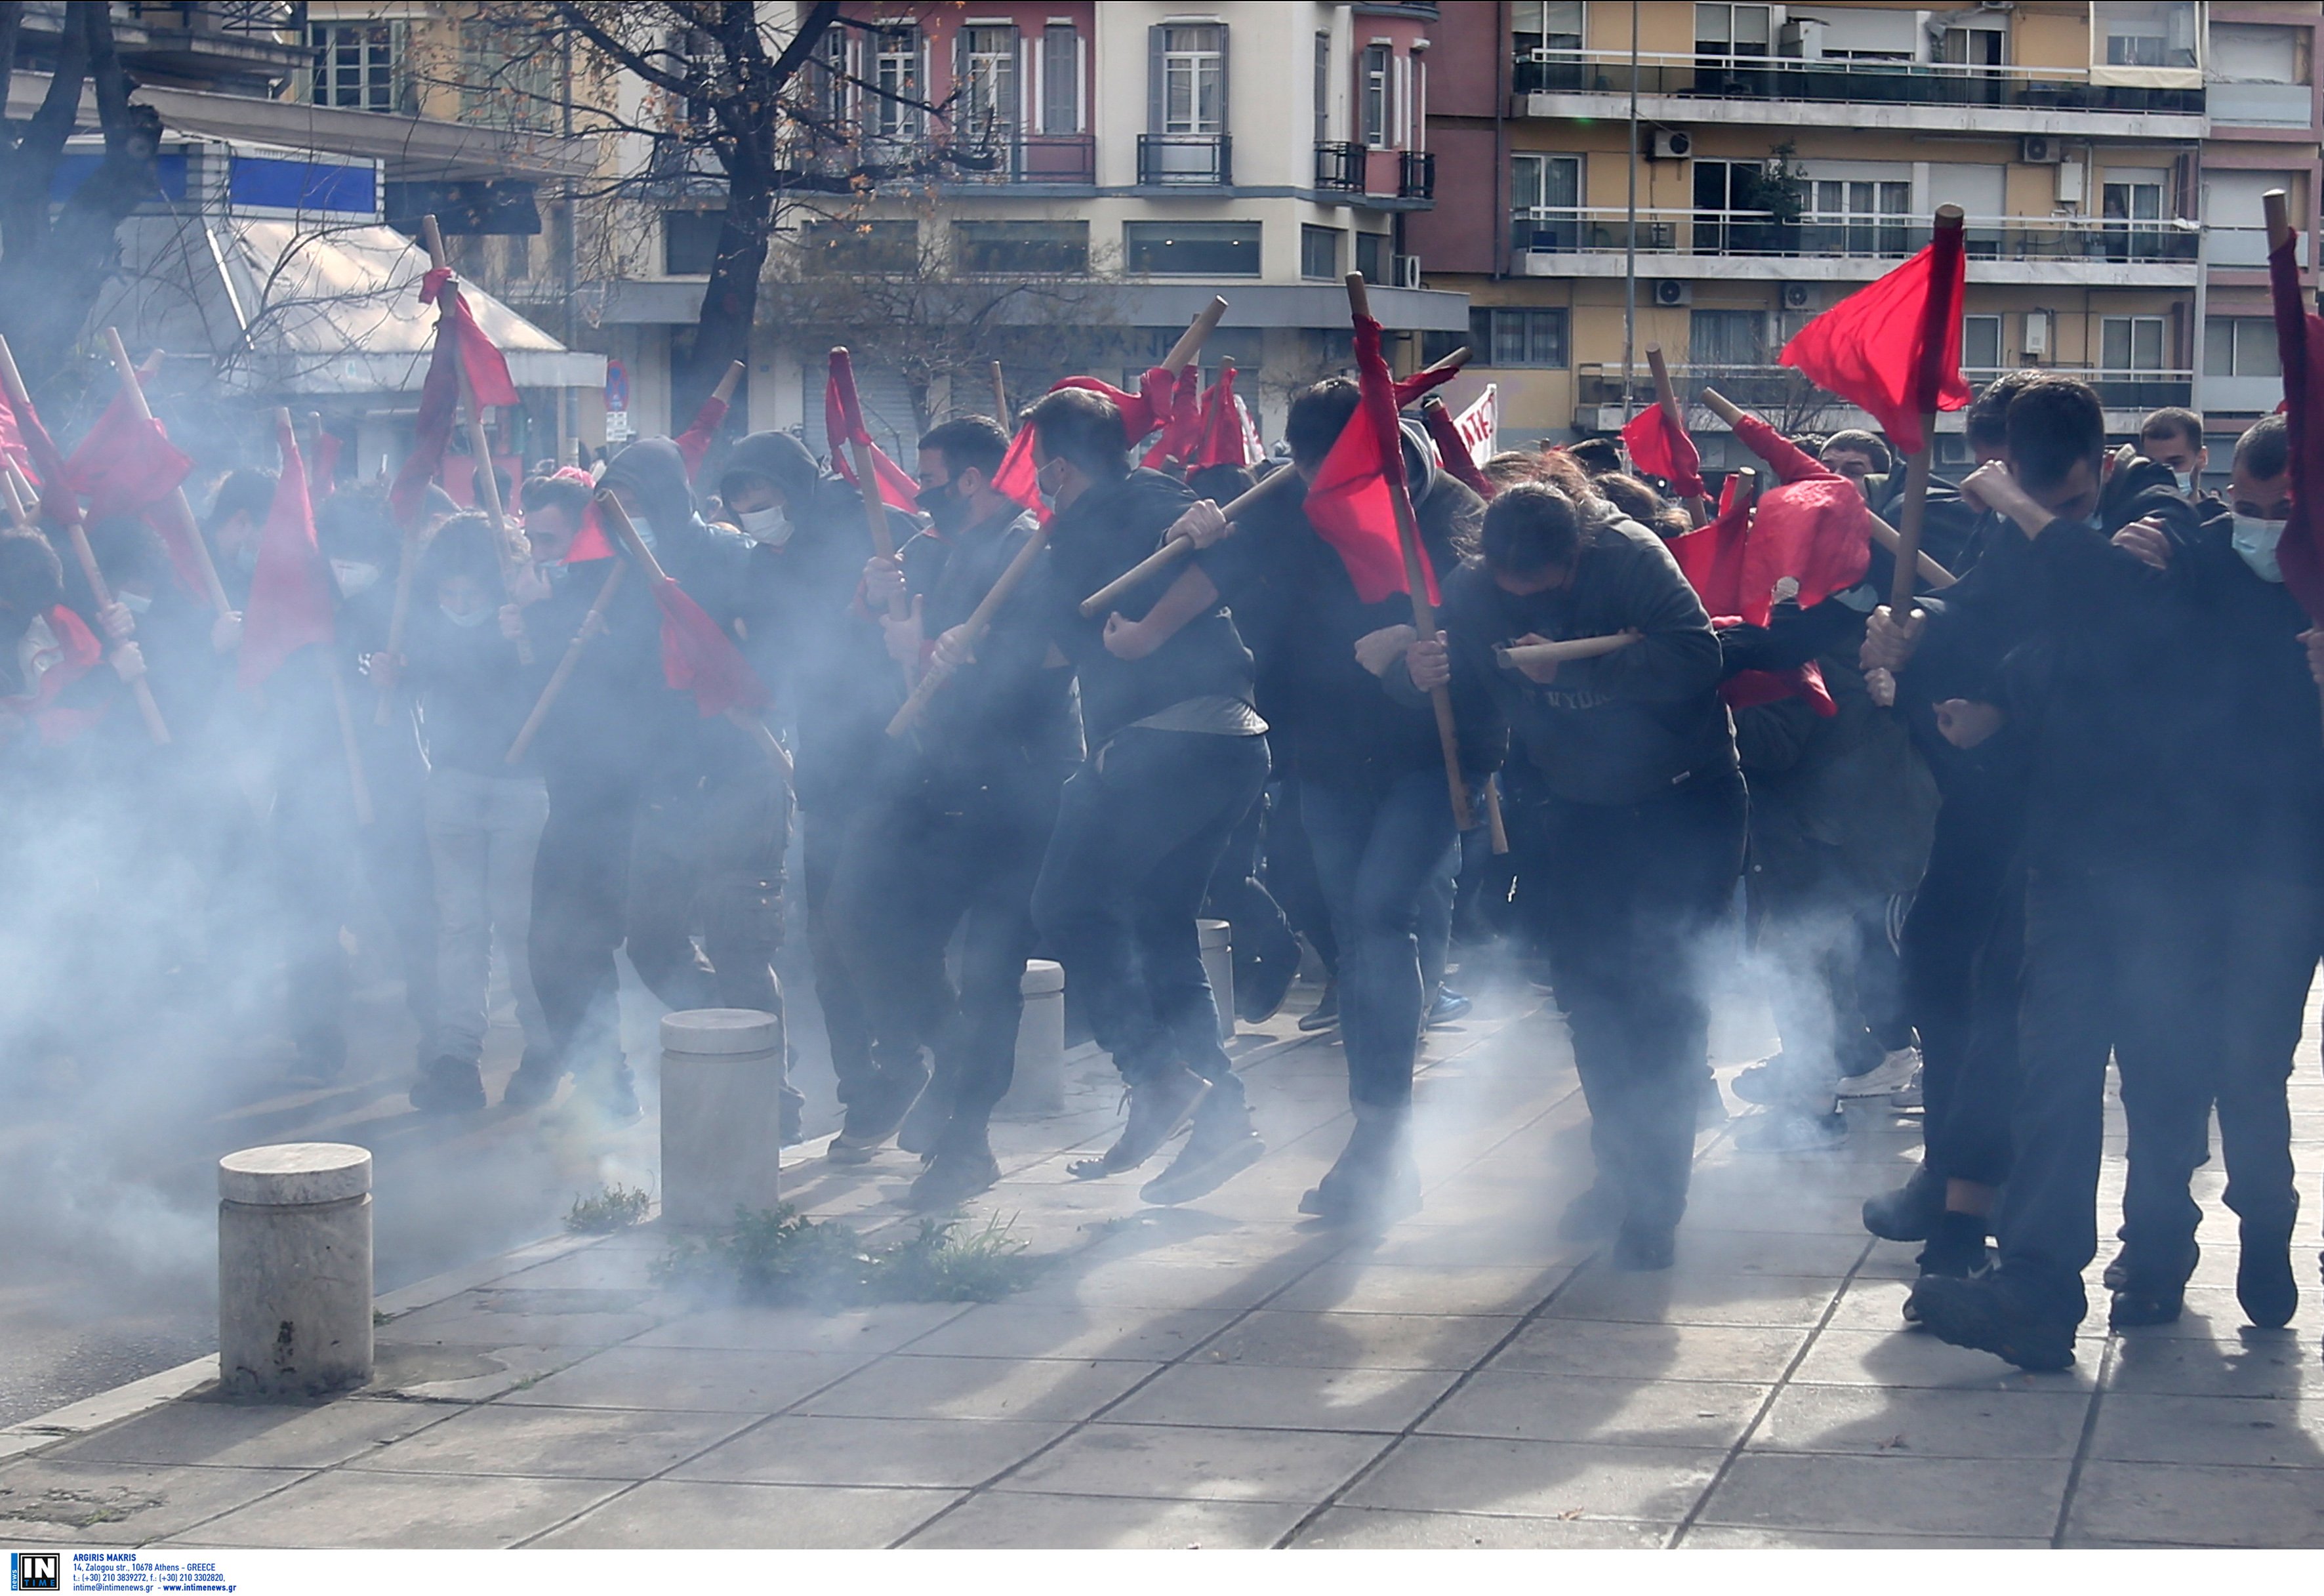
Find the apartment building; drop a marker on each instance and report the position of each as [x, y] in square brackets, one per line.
[2108, 157]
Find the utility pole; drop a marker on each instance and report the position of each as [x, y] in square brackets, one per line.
[1630, 245]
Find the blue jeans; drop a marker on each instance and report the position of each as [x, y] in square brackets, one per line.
[1378, 854]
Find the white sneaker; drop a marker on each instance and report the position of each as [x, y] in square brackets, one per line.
[1893, 1074]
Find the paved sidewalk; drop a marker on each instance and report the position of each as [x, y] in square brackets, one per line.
[1220, 1375]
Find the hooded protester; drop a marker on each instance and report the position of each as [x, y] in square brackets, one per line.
[818, 650]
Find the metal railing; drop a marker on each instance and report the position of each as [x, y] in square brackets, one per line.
[1042, 158]
[1579, 230]
[1857, 82]
[1340, 167]
[1415, 175]
[1780, 390]
[1185, 160]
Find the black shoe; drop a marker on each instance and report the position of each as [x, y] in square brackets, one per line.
[952, 1177]
[1911, 1212]
[930, 1112]
[448, 1085]
[1326, 1014]
[2265, 1284]
[2138, 1305]
[538, 1076]
[1223, 1144]
[1261, 992]
[1985, 1315]
[1644, 1249]
[1593, 1216]
[2119, 1271]
[1157, 1108]
[1374, 1182]
[879, 1108]
[1956, 1247]
[1448, 1007]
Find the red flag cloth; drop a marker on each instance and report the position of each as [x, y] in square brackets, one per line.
[1748, 689]
[1445, 434]
[489, 383]
[1894, 346]
[1228, 436]
[1713, 558]
[1812, 529]
[323, 470]
[48, 470]
[2300, 348]
[124, 463]
[290, 604]
[1142, 411]
[1350, 504]
[1017, 480]
[176, 538]
[11, 442]
[1790, 462]
[1659, 448]
[1409, 389]
[698, 654]
[842, 424]
[700, 433]
[1181, 438]
[439, 391]
[590, 542]
[72, 651]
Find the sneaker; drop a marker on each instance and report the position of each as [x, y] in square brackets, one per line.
[1223, 1144]
[1157, 1108]
[1448, 1007]
[1260, 993]
[1326, 1014]
[1956, 1247]
[1593, 1216]
[930, 1112]
[1892, 1073]
[877, 1111]
[537, 1078]
[1374, 1182]
[2138, 1305]
[1908, 1097]
[1911, 1212]
[1644, 1249]
[952, 1177]
[448, 1085]
[1789, 1130]
[1771, 1081]
[1984, 1313]
[2264, 1283]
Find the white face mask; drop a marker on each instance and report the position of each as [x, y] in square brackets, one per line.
[352, 576]
[2187, 486]
[476, 619]
[2255, 540]
[771, 526]
[1047, 489]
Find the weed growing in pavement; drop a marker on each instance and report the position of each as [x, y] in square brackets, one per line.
[614, 1207]
[779, 1256]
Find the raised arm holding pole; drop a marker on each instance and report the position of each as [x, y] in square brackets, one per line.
[1698, 508]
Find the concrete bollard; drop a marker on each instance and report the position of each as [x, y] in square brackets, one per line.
[294, 1269]
[1038, 1089]
[1218, 965]
[721, 1081]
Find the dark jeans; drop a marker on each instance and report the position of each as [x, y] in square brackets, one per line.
[1379, 854]
[2274, 931]
[711, 854]
[916, 866]
[2118, 961]
[580, 897]
[1290, 874]
[846, 1026]
[1963, 946]
[1261, 934]
[1140, 827]
[1632, 893]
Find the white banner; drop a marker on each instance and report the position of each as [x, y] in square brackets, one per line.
[1479, 425]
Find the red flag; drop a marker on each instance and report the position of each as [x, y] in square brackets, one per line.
[1409, 389]
[1661, 450]
[694, 443]
[2300, 348]
[1228, 436]
[1811, 530]
[124, 463]
[323, 470]
[70, 654]
[439, 391]
[1445, 434]
[698, 654]
[1350, 504]
[489, 383]
[842, 424]
[48, 470]
[1142, 411]
[11, 442]
[1181, 438]
[1015, 479]
[290, 604]
[1715, 559]
[1894, 346]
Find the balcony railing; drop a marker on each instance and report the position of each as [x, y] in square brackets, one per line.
[1415, 175]
[1045, 157]
[1854, 82]
[1577, 230]
[1784, 394]
[1340, 167]
[1185, 160]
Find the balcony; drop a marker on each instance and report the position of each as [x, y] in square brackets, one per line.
[1789, 399]
[1185, 160]
[1845, 82]
[1415, 175]
[1064, 159]
[1340, 167]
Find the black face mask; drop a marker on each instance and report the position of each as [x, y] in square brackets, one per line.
[943, 506]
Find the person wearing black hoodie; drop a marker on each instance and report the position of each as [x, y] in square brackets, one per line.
[1645, 822]
[818, 650]
[1177, 756]
[2105, 688]
[949, 831]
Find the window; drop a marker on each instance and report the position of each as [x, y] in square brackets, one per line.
[2240, 347]
[2156, 33]
[1725, 340]
[2131, 344]
[1519, 337]
[359, 66]
[1193, 79]
[1378, 63]
[1190, 249]
[1545, 198]
[1976, 44]
[1061, 78]
[887, 248]
[2270, 67]
[1045, 249]
[1727, 33]
[988, 85]
[1323, 88]
[500, 88]
[833, 90]
[1857, 218]
[689, 241]
[1319, 252]
[1541, 25]
[895, 73]
[2127, 199]
[1982, 343]
[1376, 257]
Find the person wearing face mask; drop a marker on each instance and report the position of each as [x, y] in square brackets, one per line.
[949, 834]
[2173, 438]
[818, 649]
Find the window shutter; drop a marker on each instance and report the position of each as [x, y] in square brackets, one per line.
[1154, 103]
[1226, 82]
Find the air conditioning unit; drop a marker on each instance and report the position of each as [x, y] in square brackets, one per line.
[1796, 296]
[1671, 290]
[1671, 145]
[2040, 149]
[1407, 271]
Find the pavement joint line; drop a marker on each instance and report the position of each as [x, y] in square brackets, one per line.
[1766, 1405]
[2082, 1443]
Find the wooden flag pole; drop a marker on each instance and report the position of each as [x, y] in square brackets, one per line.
[1000, 397]
[480, 449]
[67, 516]
[1556, 653]
[1198, 331]
[212, 588]
[979, 622]
[1698, 508]
[616, 521]
[1424, 614]
[399, 614]
[591, 624]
